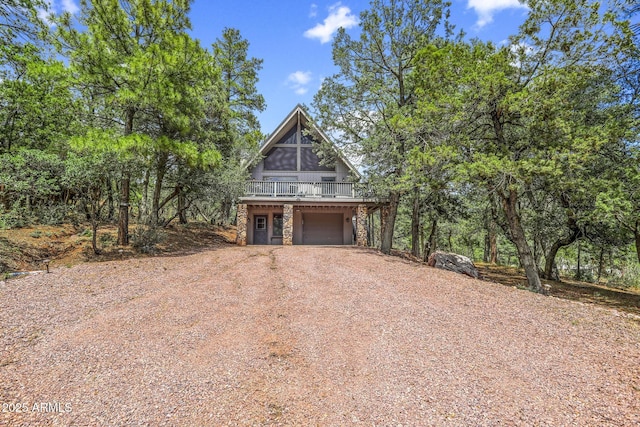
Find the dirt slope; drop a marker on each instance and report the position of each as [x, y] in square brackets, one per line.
[305, 336]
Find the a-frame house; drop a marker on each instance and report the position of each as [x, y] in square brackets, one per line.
[294, 199]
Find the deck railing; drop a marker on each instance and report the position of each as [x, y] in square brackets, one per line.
[303, 189]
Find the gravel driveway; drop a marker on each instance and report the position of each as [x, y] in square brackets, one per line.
[305, 336]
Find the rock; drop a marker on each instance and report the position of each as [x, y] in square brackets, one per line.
[453, 262]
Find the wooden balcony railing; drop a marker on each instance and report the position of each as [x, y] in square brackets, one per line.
[303, 189]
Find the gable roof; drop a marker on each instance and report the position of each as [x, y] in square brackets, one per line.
[291, 120]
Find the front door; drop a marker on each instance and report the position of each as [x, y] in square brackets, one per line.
[260, 230]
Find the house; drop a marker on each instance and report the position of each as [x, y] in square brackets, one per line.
[294, 199]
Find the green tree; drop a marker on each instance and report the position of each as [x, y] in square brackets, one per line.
[619, 204]
[131, 57]
[37, 108]
[237, 124]
[29, 186]
[239, 79]
[367, 100]
[530, 114]
[88, 174]
[19, 22]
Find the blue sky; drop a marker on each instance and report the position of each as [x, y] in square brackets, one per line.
[293, 37]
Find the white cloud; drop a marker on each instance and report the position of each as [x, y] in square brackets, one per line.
[486, 8]
[313, 12]
[45, 17]
[339, 16]
[299, 77]
[55, 8]
[298, 81]
[69, 6]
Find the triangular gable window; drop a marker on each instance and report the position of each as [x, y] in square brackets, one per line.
[311, 162]
[294, 152]
[281, 159]
[289, 137]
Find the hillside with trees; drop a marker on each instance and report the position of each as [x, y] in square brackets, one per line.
[118, 112]
[525, 153]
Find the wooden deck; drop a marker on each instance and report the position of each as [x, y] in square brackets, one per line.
[298, 189]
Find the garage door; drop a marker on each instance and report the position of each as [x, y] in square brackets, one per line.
[322, 229]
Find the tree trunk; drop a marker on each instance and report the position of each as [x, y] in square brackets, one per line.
[225, 208]
[509, 204]
[600, 264]
[578, 271]
[182, 207]
[161, 169]
[491, 239]
[560, 243]
[123, 214]
[371, 237]
[144, 208]
[96, 207]
[551, 259]
[415, 224]
[388, 221]
[637, 235]
[110, 204]
[94, 236]
[430, 246]
[493, 249]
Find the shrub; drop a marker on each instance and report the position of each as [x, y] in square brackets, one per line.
[17, 217]
[629, 277]
[145, 239]
[106, 239]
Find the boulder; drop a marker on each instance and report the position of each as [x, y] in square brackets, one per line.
[453, 262]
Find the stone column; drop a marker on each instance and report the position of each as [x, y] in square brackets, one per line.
[361, 226]
[241, 224]
[287, 225]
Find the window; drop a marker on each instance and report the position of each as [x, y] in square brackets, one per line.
[277, 225]
[311, 162]
[290, 137]
[261, 223]
[281, 159]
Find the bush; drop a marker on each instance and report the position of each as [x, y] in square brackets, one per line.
[145, 239]
[55, 214]
[107, 239]
[629, 277]
[17, 217]
[6, 253]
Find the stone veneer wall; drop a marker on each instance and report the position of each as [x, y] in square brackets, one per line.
[241, 224]
[361, 226]
[287, 225]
